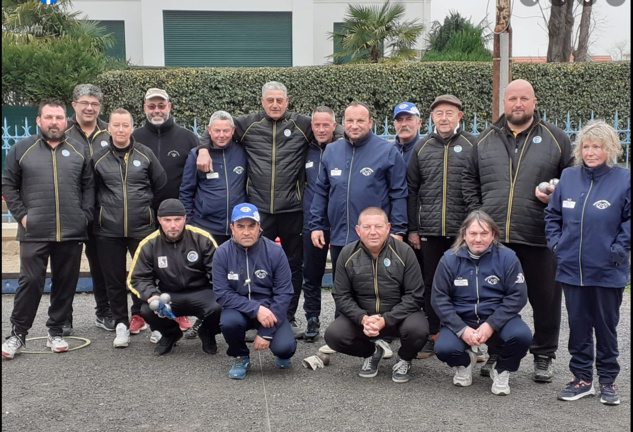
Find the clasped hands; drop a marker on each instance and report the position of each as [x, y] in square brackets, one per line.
[475, 337]
[373, 324]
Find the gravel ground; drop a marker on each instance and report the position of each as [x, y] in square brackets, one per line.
[99, 388]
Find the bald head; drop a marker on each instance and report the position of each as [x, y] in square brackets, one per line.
[519, 104]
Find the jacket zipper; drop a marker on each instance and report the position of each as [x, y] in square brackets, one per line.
[349, 183]
[272, 181]
[444, 189]
[582, 226]
[228, 198]
[56, 181]
[375, 264]
[248, 275]
[477, 288]
[124, 180]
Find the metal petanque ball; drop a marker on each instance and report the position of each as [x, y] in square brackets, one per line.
[554, 182]
[325, 358]
[543, 187]
[154, 304]
[165, 298]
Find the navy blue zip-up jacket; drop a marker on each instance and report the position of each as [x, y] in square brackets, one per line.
[367, 173]
[469, 292]
[313, 166]
[588, 226]
[246, 278]
[210, 197]
[406, 149]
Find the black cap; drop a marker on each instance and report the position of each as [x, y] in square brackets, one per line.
[171, 207]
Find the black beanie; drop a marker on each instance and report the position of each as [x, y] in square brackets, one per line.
[171, 207]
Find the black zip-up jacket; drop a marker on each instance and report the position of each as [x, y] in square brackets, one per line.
[127, 187]
[435, 206]
[276, 152]
[97, 139]
[162, 265]
[54, 187]
[390, 285]
[504, 170]
[171, 144]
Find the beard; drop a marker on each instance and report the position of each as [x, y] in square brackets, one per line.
[520, 120]
[157, 120]
[53, 135]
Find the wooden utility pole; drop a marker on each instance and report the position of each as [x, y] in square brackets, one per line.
[502, 60]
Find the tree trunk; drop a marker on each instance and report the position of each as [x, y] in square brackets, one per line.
[581, 54]
[560, 26]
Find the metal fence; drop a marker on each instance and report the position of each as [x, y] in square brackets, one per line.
[19, 132]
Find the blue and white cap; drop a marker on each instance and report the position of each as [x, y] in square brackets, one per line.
[406, 108]
[245, 211]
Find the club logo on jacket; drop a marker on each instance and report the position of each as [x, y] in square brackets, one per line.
[520, 278]
[537, 139]
[104, 143]
[65, 153]
[367, 171]
[137, 163]
[192, 256]
[162, 262]
[457, 148]
[261, 274]
[492, 280]
[602, 204]
[387, 262]
[173, 153]
[287, 132]
[238, 170]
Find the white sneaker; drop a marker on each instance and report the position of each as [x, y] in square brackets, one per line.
[500, 382]
[57, 344]
[12, 346]
[122, 339]
[325, 349]
[386, 348]
[155, 337]
[464, 374]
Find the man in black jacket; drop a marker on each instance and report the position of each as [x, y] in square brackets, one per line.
[379, 292]
[49, 188]
[512, 157]
[176, 260]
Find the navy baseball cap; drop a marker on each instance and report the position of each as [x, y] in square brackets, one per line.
[245, 211]
[406, 108]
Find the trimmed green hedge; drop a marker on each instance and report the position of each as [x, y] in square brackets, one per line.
[579, 88]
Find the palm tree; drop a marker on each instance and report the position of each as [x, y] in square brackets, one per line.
[368, 30]
[457, 39]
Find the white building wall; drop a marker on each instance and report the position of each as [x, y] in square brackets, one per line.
[311, 22]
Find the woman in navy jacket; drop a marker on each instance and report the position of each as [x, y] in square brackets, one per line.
[588, 226]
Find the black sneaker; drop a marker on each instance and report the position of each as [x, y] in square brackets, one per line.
[487, 368]
[543, 369]
[609, 394]
[192, 332]
[401, 370]
[370, 364]
[428, 349]
[167, 343]
[106, 323]
[209, 344]
[296, 330]
[67, 327]
[575, 390]
[312, 332]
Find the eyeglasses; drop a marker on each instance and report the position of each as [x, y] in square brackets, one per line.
[85, 104]
[152, 107]
[448, 114]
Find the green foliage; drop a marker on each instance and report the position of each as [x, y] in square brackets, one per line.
[49, 68]
[367, 30]
[457, 39]
[579, 88]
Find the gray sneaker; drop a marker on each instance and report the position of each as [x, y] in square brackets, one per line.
[122, 339]
[370, 364]
[464, 374]
[543, 369]
[500, 382]
[401, 371]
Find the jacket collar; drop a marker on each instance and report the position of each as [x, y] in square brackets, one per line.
[101, 125]
[167, 239]
[405, 147]
[161, 129]
[384, 246]
[595, 172]
[361, 142]
[463, 252]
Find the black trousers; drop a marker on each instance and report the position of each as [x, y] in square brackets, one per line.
[102, 308]
[288, 227]
[432, 249]
[348, 337]
[544, 294]
[112, 252]
[199, 303]
[65, 263]
[314, 260]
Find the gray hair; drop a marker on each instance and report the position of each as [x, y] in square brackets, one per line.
[87, 90]
[480, 217]
[373, 211]
[324, 109]
[599, 130]
[221, 115]
[274, 85]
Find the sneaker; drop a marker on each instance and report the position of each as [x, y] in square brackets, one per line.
[167, 343]
[485, 369]
[609, 395]
[401, 370]
[464, 374]
[67, 328]
[106, 323]
[12, 346]
[284, 363]
[155, 337]
[192, 333]
[576, 389]
[500, 382]
[240, 367]
[428, 349]
[250, 335]
[370, 364]
[57, 344]
[122, 339]
[325, 349]
[183, 323]
[137, 323]
[209, 345]
[296, 330]
[312, 331]
[543, 369]
[385, 347]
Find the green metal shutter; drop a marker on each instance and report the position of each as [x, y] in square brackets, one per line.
[117, 28]
[225, 39]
